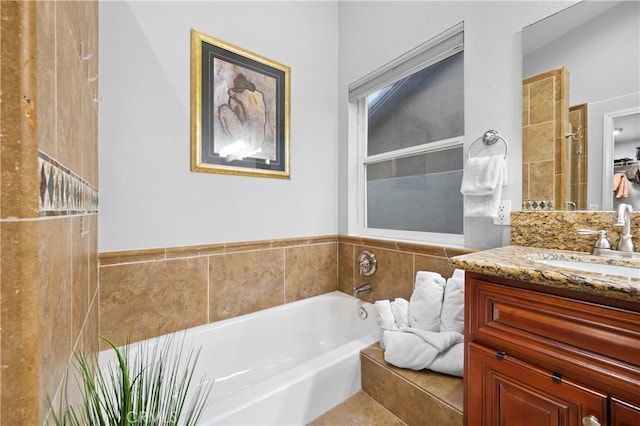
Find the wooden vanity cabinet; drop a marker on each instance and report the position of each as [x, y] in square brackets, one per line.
[536, 355]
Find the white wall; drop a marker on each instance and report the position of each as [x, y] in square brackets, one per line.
[601, 55]
[374, 33]
[148, 196]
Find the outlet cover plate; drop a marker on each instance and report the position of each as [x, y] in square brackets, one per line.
[504, 213]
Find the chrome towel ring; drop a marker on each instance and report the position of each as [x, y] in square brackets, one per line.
[489, 138]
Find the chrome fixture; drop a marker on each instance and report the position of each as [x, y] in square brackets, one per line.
[364, 288]
[362, 313]
[590, 421]
[623, 220]
[625, 247]
[367, 263]
[489, 138]
[575, 135]
[603, 242]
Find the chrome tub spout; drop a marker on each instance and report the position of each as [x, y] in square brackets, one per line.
[364, 288]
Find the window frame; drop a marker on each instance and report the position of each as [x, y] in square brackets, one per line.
[435, 50]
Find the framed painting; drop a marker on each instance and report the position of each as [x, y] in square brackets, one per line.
[239, 110]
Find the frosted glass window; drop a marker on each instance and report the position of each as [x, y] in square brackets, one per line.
[418, 193]
[411, 133]
[412, 179]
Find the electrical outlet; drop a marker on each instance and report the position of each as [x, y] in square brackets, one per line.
[504, 213]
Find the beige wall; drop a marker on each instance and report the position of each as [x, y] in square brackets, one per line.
[151, 292]
[48, 223]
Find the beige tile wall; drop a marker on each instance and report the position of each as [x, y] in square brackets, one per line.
[544, 122]
[151, 292]
[398, 263]
[147, 293]
[48, 263]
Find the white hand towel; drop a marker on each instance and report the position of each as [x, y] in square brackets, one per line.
[452, 315]
[483, 175]
[483, 198]
[400, 309]
[425, 303]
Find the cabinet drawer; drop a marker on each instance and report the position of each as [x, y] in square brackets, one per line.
[502, 310]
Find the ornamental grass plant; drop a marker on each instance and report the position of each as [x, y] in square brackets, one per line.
[151, 387]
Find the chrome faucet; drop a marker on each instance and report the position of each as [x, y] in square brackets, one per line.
[625, 247]
[623, 220]
[364, 288]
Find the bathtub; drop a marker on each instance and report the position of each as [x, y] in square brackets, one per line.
[283, 365]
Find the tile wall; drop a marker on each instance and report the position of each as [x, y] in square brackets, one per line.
[48, 199]
[544, 122]
[151, 292]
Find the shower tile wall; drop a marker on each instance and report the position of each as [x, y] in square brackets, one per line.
[48, 199]
[151, 292]
[544, 122]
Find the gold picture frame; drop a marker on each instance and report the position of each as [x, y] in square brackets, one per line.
[239, 110]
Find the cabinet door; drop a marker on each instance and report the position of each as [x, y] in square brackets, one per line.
[504, 391]
[624, 413]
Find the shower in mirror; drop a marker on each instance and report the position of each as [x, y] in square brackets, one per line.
[586, 58]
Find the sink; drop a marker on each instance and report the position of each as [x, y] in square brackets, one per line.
[600, 268]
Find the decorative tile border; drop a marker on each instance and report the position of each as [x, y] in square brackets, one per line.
[62, 192]
[537, 205]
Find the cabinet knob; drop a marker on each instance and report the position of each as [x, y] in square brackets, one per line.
[590, 421]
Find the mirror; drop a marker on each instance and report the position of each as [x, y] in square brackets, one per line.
[597, 43]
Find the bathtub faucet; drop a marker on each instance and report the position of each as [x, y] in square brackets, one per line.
[364, 288]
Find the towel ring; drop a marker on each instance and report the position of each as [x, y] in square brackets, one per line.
[489, 138]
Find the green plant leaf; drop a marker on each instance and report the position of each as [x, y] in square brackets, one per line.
[153, 387]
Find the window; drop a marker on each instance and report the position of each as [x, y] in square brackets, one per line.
[410, 118]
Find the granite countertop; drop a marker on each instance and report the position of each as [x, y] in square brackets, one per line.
[519, 263]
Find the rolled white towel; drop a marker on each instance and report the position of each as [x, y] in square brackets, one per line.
[384, 318]
[452, 315]
[450, 362]
[426, 301]
[384, 315]
[458, 273]
[420, 349]
[400, 309]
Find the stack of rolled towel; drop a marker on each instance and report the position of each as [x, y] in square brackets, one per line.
[425, 332]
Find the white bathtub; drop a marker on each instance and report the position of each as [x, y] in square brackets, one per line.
[283, 365]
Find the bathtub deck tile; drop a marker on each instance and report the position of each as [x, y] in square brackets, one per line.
[417, 397]
[358, 410]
